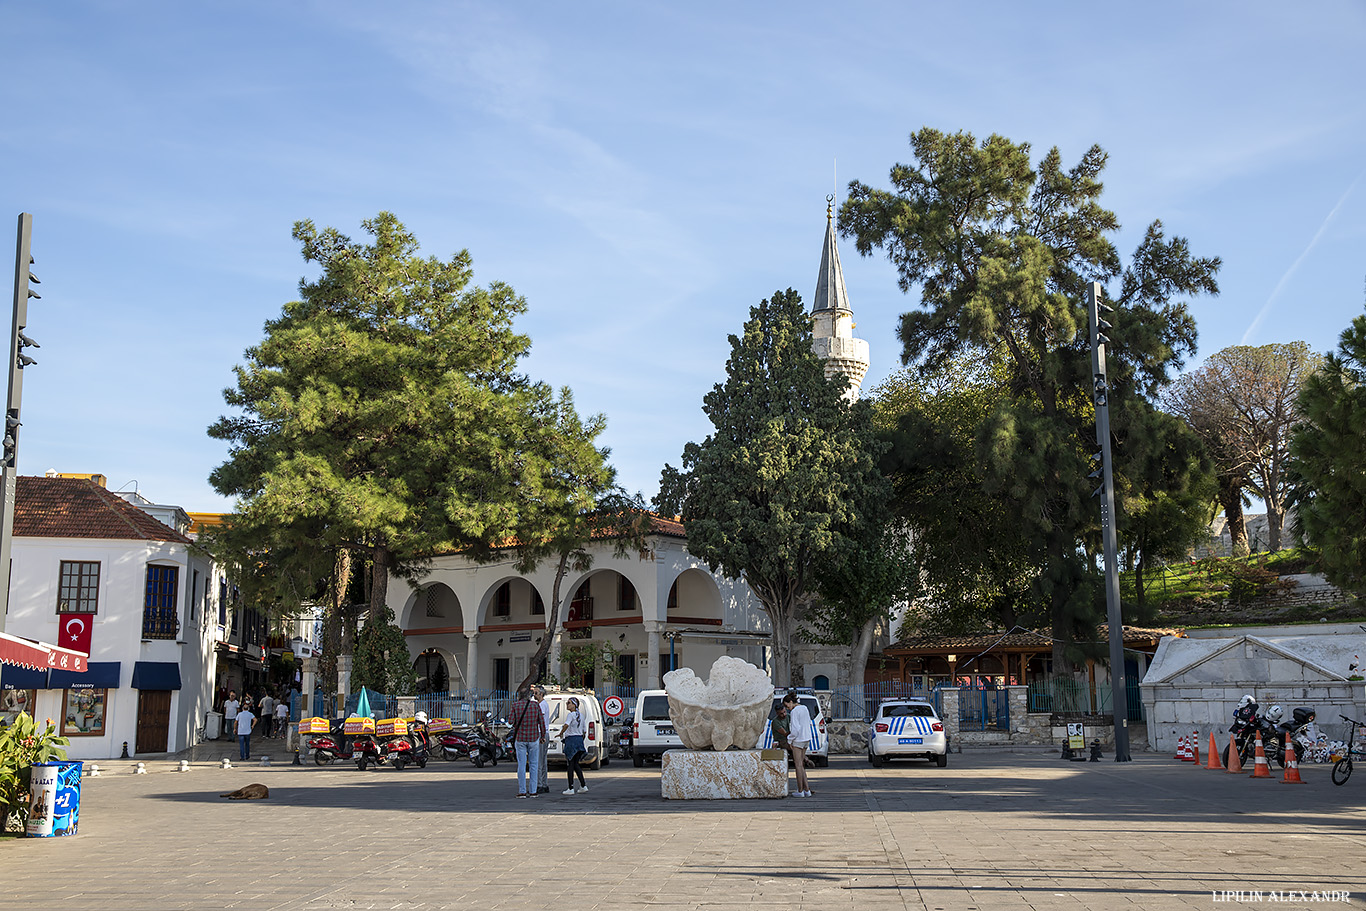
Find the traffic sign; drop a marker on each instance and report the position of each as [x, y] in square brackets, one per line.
[613, 706]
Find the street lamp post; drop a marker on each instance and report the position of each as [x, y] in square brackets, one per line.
[1119, 702]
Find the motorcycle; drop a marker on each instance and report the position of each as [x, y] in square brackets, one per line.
[464, 745]
[405, 749]
[619, 745]
[502, 749]
[1300, 731]
[366, 752]
[328, 747]
[1247, 722]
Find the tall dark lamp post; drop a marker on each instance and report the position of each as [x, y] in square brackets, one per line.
[1119, 701]
[23, 278]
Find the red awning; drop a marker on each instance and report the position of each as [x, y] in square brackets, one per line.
[34, 655]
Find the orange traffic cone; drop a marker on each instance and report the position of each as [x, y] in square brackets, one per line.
[1212, 761]
[1235, 762]
[1259, 768]
[1292, 768]
[1195, 747]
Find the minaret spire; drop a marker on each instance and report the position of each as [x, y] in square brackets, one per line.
[832, 318]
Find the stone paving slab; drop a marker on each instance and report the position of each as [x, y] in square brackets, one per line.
[992, 832]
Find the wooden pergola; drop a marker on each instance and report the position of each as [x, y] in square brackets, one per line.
[1004, 658]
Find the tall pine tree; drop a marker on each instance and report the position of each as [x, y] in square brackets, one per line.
[1000, 252]
[774, 493]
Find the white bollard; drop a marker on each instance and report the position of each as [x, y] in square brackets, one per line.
[226, 763]
[92, 771]
[265, 760]
[141, 769]
[184, 766]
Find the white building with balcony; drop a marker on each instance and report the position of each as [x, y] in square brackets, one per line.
[86, 559]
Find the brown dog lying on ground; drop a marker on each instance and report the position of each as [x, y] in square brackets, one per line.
[250, 792]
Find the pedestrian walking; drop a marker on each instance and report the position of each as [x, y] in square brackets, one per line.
[245, 722]
[799, 739]
[543, 782]
[281, 718]
[230, 709]
[528, 728]
[572, 735]
[267, 715]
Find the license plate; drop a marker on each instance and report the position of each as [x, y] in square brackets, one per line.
[357, 754]
[910, 740]
[662, 729]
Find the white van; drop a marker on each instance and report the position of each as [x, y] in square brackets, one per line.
[653, 730]
[595, 737]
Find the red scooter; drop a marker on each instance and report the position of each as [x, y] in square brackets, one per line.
[365, 751]
[327, 747]
[409, 748]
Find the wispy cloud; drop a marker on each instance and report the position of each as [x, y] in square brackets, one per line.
[1280, 285]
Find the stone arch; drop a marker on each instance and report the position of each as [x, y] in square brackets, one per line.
[433, 606]
[693, 595]
[431, 665]
[521, 604]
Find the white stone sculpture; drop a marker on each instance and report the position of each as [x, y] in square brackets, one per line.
[729, 709]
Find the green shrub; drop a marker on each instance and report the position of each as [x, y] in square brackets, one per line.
[23, 743]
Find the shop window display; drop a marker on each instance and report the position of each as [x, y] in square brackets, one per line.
[83, 713]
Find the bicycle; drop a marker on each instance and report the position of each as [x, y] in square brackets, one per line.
[1342, 769]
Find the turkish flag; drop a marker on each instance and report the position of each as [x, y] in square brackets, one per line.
[73, 631]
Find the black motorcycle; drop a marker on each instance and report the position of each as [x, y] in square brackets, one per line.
[1247, 721]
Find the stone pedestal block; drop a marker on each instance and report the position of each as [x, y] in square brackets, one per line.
[731, 775]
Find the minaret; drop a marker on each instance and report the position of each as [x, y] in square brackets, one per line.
[832, 322]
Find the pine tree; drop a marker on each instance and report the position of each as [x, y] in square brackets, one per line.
[774, 493]
[1001, 253]
[1328, 461]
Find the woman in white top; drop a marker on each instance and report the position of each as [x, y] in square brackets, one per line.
[573, 732]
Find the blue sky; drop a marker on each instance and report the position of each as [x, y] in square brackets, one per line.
[642, 173]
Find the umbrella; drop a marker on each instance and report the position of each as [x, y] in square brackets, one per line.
[363, 706]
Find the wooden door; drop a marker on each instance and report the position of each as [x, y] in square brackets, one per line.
[154, 720]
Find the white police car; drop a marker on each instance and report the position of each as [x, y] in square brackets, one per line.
[819, 751]
[907, 728]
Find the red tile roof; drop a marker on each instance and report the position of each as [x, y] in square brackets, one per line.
[1022, 641]
[78, 508]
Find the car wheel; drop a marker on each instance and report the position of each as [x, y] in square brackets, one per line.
[942, 760]
[876, 761]
[822, 762]
[597, 762]
[638, 761]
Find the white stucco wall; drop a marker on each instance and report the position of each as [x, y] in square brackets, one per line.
[117, 630]
[640, 632]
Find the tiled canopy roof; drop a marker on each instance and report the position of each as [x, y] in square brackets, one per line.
[78, 508]
[1019, 641]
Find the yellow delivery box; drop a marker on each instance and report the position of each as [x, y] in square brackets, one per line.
[391, 727]
[313, 726]
[360, 726]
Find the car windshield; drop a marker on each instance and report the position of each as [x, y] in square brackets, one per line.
[810, 702]
[655, 708]
[907, 711]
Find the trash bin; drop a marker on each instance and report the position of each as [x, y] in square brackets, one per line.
[54, 799]
[213, 725]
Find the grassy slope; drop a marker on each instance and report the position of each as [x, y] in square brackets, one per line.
[1206, 593]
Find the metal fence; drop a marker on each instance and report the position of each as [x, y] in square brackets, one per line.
[1067, 695]
[983, 708]
[859, 702]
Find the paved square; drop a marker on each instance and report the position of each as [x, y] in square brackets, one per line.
[994, 830]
